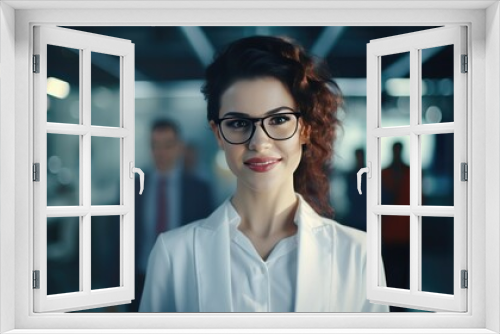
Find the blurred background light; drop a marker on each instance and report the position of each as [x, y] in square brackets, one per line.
[398, 87]
[446, 87]
[352, 86]
[433, 114]
[65, 176]
[54, 164]
[57, 88]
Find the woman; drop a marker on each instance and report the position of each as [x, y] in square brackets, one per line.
[268, 248]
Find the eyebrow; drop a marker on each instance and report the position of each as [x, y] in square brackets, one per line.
[270, 112]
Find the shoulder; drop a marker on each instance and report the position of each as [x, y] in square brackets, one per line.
[179, 236]
[185, 234]
[348, 233]
[346, 240]
[349, 240]
[339, 234]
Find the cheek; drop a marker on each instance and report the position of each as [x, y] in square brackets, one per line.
[297, 156]
[295, 148]
[232, 153]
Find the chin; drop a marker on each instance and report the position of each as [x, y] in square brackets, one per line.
[264, 184]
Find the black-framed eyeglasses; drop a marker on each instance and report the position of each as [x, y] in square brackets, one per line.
[239, 130]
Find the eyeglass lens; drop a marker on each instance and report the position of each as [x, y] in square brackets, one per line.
[278, 126]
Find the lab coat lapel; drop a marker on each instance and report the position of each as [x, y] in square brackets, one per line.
[212, 260]
[314, 270]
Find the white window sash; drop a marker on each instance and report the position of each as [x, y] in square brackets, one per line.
[85, 298]
[414, 297]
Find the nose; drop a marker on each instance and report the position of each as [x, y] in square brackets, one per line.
[259, 141]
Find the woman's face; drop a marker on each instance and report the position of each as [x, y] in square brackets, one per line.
[261, 163]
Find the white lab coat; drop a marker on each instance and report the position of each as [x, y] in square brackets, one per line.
[189, 267]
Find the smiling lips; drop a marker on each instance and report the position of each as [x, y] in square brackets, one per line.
[262, 165]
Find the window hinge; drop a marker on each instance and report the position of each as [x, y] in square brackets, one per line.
[36, 279]
[464, 171]
[465, 64]
[465, 279]
[36, 172]
[36, 63]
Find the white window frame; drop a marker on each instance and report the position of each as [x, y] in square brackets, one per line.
[16, 214]
[86, 43]
[413, 43]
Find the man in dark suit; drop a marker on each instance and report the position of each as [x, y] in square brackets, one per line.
[172, 197]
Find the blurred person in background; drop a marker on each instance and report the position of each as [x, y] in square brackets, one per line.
[271, 246]
[396, 229]
[192, 162]
[173, 196]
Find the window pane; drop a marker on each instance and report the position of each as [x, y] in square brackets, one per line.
[105, 252]
[63, 254]
[105, 90]
[396, 250]
[105, 171]
[63, 81]
[395, 163]
[63, 169]
[437, 84]
[395, 99]
[437, 254]
[437, 169]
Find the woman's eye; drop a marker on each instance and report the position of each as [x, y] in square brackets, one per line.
[277, 120]
[238, 124]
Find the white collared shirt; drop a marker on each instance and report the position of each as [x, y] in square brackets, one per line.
[258, 285]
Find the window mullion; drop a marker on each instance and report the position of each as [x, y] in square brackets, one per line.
[415, 268]
[85, 265]
[123, 165]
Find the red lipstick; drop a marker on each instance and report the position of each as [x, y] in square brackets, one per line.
[261, 165]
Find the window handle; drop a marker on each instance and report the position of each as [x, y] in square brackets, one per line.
[141, 175]
[368, 171]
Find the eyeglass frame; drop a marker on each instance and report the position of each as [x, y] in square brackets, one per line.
[254, 120]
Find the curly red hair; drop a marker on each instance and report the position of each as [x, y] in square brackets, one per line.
[315, 93]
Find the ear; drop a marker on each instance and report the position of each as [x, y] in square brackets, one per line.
[305, 134]
[216, 131]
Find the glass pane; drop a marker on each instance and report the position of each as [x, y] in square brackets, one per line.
[63, 169]
[63, 255]
[105, 171]
[395, 162]
[437, 254]
[105, 252]
[437, 169]
[63, 85]
[437, 84]
[396, 250]
[395, 100]
[105, 90]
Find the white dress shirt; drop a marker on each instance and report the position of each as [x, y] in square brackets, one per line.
[258, 285]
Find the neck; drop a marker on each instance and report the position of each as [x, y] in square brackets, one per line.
[266, 213]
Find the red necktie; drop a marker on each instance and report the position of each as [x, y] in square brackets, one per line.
[161, 205]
